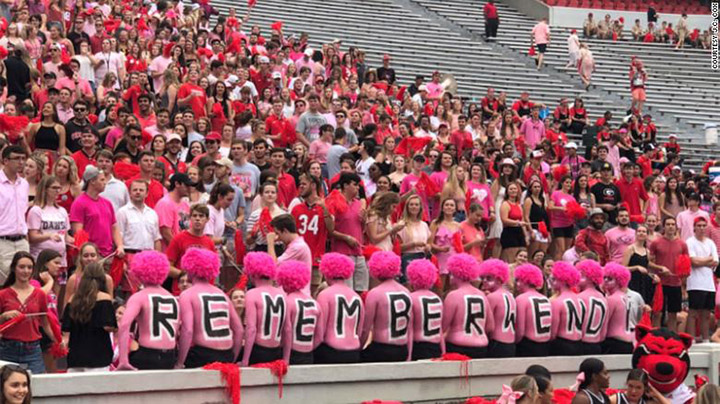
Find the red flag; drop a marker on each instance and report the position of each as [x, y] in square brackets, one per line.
[277, 26]
[56, 350]
[425, 186]
[683, 266]
[252, 3]
[117, 269]
[263, 223]
[457, 242]
[410, 146]
[124, 171]
[397, 246]
[336, 203]
[614, 36]
[463, 359]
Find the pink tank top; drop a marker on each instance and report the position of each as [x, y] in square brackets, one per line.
[344, 314]
[534, 317]
[567, 318]
[467, 317]
[502, 304]
[388, 314]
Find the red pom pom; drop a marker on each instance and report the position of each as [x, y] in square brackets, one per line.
[457, 242]
[683, 266]
[658, 298]
[240, 248]
[637, 218]
[560, 171]
[575, 211]
[230, 374]
[531, 51]
[13, 126]
[279, 368]
[336, 203]
[57, 351]
[427, 187]
[124, 171]
[369, 250]
[117, 270]
[542, 228]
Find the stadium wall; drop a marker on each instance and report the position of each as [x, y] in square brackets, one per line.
[409, 382]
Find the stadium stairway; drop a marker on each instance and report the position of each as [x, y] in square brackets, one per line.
[682, 89]
[421, 42]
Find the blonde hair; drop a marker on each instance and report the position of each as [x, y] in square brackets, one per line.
[72, 176]
[406, 212]
[455, 185]
[524, 384]
[708, 394]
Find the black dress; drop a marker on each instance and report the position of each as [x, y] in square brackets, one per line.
[90, 345]
[639, 282]
[538, 214]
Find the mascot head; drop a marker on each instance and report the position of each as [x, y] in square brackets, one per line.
[663, 354]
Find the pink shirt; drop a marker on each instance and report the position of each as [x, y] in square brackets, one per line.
[541, 33]
[504, 309]
[157, 315]
[305, 325]
[171, 214]
[618, 241]
[97, 217]
[408, 183]
[388, 314]
[113, 136]
[14, 202]
[534, 317]
[467, 317]
[343, 314]
[685, 222]
[427, 317]
[349, 222]
[480, 194]
[49, 220]
[534, 132]
[319, 150]
[567, 321]
[298, 250]
[594, 308]
[561, 218]
[618, 326]
[265, 318]
[207, 319]
[159, 65]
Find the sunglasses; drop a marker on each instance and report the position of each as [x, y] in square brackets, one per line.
[135, 137]
[80, 110]
[339, 116]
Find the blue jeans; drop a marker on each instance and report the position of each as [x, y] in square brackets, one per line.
[26, 354]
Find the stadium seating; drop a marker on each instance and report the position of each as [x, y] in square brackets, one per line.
[420, 44]
[666, 7]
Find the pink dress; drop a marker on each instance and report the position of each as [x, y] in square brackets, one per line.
[443, 238]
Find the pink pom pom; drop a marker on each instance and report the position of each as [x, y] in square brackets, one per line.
[150, 267]
[566, 273]
[336, 266]
[292, 275]
[463, 266]
[422, 274]
[494, 267]
[384, 265]
[201, 263]
[530, 275]
[259, 265]
[592, 270]
[617, 272]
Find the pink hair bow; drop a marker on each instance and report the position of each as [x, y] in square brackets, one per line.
[509, 396]
[579, 379]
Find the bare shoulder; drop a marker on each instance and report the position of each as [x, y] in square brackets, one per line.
[103, 296]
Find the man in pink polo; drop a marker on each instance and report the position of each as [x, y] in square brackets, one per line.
[296, 249]
[533, 128]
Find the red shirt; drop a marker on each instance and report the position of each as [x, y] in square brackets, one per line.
[155, 191]
[82, 160]
[197, 103]
[529, 172]
[280, 126]
[286, 189]
[311, 226]
[241, 107]
[184, 241]
[631, 193]
[646, 165]
[27, 330]
[490, 11]
[171, 169]
[462, 140]
[261, 81]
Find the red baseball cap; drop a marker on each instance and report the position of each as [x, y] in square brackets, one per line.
[213, 136]
[699, 219]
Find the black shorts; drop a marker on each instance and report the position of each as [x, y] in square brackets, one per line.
[301, 358]
[565, 347]
[378, 352]
[672, 299]
[542, 47]
[475, 352]
[564, 232]
[153, 359]
[527, 348]
[324, 354]
[591, 348]
[701, 300]
[199, 356]
[512, 237]
[261, 354]
[425, 350]
[612, 346]
[501, 350]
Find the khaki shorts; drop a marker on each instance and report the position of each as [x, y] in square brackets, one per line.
[360, 281]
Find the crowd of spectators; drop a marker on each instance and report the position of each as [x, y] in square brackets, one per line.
[129, 128]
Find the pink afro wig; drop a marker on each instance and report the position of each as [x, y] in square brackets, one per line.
[494, 267]
[201, 263]
[292, 275]
[384, 265]
[566, 273]
[617, 272]
[463, 266]
[150, 267]
[530, 275]
[592, 270]
[422, 274]
[259, 265]
[336, 266]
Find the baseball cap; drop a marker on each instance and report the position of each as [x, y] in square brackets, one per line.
[276, 75]
[507, 162]
[264, 59]
[537, 154]
[672, 135]
[91, 172]
[181, 178]
[699, 219]
[173, 136]
[213, 136]
[309, 52]
[422, 87]
[224, 162]
[421, 158]
[677, 168]
[571, 145]
[336, 40]
[606, 167]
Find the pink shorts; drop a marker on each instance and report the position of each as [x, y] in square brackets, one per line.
[639, 94]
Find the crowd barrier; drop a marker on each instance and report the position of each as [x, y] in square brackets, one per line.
[411, 382]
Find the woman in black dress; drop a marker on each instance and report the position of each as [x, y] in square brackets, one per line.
[636, 260]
